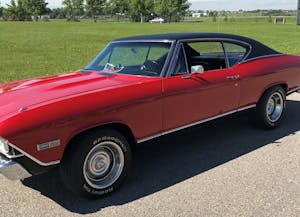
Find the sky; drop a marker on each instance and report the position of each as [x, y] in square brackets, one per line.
[218, 4]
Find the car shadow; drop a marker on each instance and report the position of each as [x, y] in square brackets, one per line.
[164, 162]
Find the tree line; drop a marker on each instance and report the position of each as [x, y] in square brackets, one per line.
[73, 10]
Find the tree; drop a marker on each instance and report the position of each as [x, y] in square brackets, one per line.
[171, 10]
[1, 11]
[57, 13]
[94, 8]
[36, 7]
[117, 6]
[141, 9]
[73, 8]
[16, 11]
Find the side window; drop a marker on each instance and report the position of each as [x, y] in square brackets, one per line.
[181, 67]
[234, 53]
[210, 55]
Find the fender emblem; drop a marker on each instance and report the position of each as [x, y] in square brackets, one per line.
[48, 145]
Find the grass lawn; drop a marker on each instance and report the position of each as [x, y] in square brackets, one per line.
[42, 48]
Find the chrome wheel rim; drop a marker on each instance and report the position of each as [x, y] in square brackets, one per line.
[275, 107]
[103, 165]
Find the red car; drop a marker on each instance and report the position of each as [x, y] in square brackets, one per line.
[138, 88]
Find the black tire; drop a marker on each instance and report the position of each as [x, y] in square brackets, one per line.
[89, 164]
[269, 119]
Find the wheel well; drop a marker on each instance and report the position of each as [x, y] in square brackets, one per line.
[283, 85]
[121, 128]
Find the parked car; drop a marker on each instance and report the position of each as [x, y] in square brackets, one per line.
[87, 122]
[157, 20]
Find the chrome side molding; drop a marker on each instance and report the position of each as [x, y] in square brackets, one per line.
[196, 123]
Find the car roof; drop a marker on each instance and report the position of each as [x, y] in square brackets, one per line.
[257, 49]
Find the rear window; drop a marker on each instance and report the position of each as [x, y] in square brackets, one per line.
[234, 52]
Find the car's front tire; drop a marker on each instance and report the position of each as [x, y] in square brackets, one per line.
[96, 164]
[270, 109]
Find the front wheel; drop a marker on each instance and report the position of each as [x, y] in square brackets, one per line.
[270, 110]
[96, 164]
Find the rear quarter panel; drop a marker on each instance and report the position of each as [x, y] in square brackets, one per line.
[260, 74]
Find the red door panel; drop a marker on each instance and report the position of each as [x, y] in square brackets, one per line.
[188, 100]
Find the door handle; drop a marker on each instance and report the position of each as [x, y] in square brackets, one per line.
[186, 76]
[233, 77]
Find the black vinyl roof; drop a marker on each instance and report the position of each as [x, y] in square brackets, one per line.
[257, 49]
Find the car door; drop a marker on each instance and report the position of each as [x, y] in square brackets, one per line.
[194, 97]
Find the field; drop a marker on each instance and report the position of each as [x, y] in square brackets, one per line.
[42, 48]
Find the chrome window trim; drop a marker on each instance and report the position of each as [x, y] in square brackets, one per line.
[196, 123]
[226, 56]
[234, 41]
[185, 59]
[262, 57]
[174, 59]
[144, 40]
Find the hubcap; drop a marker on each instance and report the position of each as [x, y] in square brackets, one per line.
[103, 165]
[275, 107]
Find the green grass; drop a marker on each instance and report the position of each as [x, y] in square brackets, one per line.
[31, 49]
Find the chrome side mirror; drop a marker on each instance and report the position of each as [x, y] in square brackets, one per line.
[199, 69]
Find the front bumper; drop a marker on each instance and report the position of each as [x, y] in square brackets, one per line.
[12, 170]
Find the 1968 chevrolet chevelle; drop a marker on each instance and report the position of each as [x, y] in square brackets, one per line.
[138, 88]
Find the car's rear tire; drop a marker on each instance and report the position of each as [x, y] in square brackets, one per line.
[96, 164]
[270, 109]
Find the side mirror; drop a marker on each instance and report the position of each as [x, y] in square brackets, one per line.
[199, 69]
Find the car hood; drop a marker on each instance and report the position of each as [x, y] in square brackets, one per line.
[19, 95]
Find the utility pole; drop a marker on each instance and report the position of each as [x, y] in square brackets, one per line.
[298, 13]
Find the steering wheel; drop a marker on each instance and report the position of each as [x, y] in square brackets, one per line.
[151, 66]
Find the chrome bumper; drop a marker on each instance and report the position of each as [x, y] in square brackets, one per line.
[12, 170]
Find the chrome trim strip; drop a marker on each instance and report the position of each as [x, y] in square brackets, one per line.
[12, 156]
[262, 57]
[293, 90]
[226, 55]
[174, 59]
[34, 159]
[196, 123]
[144, 40]
[168, 60]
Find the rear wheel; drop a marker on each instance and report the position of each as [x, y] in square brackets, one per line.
[96, 164]
[270, 109]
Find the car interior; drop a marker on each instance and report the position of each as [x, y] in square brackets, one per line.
[211, 61]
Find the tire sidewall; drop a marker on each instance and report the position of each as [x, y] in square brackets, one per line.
[116, 184]
[262, 107]
[80, 151]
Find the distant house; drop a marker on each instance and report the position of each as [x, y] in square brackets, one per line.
[203, 14]
[42, 17]
[196, 15]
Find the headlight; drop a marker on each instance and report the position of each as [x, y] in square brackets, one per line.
[4, 148]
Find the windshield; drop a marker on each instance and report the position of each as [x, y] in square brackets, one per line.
[134, 58]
